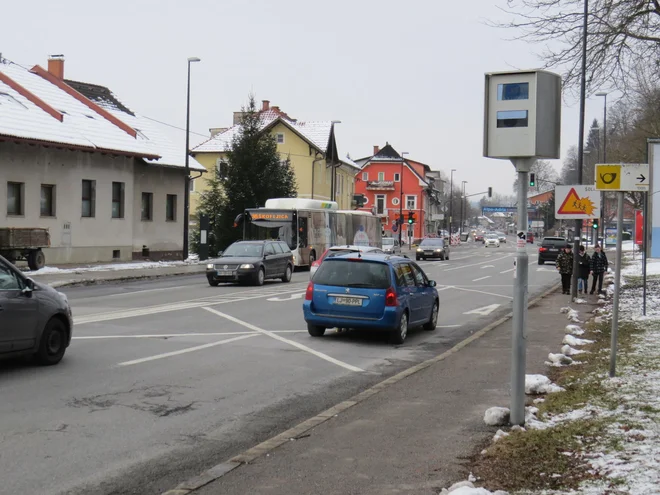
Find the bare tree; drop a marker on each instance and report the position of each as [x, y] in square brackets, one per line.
[545, 174]
[623, 38]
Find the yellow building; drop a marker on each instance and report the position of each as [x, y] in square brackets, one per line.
[310, 146]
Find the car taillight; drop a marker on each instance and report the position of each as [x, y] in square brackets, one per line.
[317, 263]
[310, 292]
[390, 297]
[542, 250]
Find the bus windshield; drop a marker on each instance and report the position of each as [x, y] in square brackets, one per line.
[278, 225]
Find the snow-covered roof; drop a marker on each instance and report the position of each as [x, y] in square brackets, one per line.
[349, 162]
[80, 125]
[316, 133]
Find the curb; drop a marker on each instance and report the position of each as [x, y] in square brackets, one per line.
[100, 281]
[248, 456]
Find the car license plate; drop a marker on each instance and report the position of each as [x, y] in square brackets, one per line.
[348, 301]
[553, 250]
[225, 273]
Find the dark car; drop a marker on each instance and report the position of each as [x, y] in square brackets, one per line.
[371, 291]
[432, 247]
[252, 262]
[34, 318]
[550, 249]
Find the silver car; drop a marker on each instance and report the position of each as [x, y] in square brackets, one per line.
[391, 246]
[34, 318]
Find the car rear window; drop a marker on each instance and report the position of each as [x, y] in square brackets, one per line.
[353, 273]
[338, 252]
[554, 241]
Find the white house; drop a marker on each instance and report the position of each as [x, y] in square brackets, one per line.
[73, 159]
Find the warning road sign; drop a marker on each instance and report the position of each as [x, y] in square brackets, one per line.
[577, 202]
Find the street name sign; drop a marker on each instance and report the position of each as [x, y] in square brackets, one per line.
[622, 177]
[577, 202]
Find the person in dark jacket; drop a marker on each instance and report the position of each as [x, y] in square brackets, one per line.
[565, 267]
[584, 267]
[599, 266]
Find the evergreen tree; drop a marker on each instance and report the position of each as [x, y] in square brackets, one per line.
[255, 173]
[211, 204]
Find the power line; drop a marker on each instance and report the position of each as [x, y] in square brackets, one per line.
[175, 127]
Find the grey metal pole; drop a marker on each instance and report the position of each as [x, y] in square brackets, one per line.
[583, 89]
[520, 295]
[451, 201]
[186, 193]
[617, 282]
[644, 247]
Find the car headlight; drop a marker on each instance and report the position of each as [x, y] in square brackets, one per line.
[246, 266]
[209, 266]
[438, 250]
[419, 250]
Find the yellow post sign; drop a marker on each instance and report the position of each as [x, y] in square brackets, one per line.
[608, 177]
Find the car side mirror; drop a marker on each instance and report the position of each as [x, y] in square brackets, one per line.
[432, 283]
[220, 253]
[29, 287]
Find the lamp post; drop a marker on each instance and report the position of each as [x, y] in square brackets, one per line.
[460, 228]
[451, 201]
[602, 194]
[186, 193]
[400, 227]
[333, 185]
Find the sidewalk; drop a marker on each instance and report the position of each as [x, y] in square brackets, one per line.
[64, 275]
[410, 437]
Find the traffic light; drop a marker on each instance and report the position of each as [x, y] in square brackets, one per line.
[411, 217]
[595, 224]
[532, 180]
[490, 192]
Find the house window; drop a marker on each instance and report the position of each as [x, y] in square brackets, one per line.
[170, 208]
[411, 202]
[191, 185]
[397, 177]
[280, 138]
[15, 198]
[47, 200]
[221, 169]
[88, 198]
[147, 206]
[381, 176]
[117, 200]
[365, 176]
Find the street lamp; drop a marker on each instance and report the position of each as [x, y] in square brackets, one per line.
[451, 200]
[186, 193]
[400, 227]
[460, 231]
[602, 194]
[333, 185]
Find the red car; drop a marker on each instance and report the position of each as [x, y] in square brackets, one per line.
[478, 238]
[530, 237]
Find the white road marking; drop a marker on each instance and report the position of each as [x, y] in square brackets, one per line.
[448, 326]
[133, 293]
[488, 266]
[481, 278]
[179, 306]
[290, 298]
[477, 264]
[282, 339]
[509, 270]
[174, 335]
[185, 351]
[457, 287]
[484, 311]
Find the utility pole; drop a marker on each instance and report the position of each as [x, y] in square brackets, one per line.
[451, 201]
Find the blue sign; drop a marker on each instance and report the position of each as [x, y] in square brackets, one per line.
[503, 209]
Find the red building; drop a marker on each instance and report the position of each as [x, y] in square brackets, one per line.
[380, 182]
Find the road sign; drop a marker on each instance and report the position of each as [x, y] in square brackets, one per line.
[577, 202]
[622, 176]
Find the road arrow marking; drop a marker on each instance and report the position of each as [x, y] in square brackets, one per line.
[485, 311]
[290, 298]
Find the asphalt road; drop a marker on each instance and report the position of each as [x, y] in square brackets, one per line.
[166, 378]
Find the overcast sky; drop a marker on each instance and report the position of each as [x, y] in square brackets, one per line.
[408, 73]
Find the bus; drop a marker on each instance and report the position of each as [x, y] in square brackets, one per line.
[310, 226]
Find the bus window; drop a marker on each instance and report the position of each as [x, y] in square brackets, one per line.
[302, 232]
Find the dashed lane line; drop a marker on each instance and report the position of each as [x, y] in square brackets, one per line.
[286, 341]
[481, 278]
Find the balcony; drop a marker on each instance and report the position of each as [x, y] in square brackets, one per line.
[380, 185]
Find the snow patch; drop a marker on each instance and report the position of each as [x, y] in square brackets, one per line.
[577, 300]
[573, 341]
[497, 416]
[500, 434]
[567, 350]
[558, 360]
[540, 384]
[574, 330]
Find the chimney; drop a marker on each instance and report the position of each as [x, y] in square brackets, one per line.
[276, 109]
[56, 66]
[265, 105]
[217, 130]
[376, 149]
[237, 117]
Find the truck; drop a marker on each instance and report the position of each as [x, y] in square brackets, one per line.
[25, 244]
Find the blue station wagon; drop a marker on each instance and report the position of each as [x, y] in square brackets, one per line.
[378, 292]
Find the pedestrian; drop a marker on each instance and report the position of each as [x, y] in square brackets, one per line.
[599, 266]
[565, 267]
[584, 267]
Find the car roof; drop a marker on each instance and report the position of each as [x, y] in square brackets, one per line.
[379, 257]
[352, 247]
